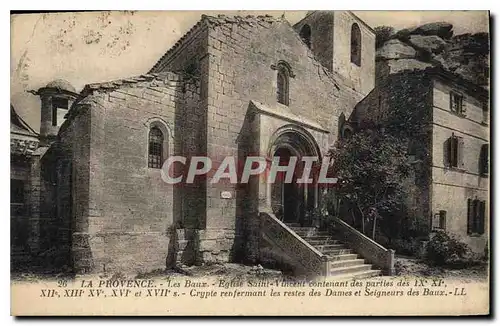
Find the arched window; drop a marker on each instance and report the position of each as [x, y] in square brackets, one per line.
[356, 44]
[155, 150]
[282, 86]
[341, 125]
[347, 133]
[305, 35]
[284, 73]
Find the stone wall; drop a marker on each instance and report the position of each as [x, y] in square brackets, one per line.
[72, 188]
[124, 211]
[363, 77]
[331, 45]
[453, 187]
[242, 54]
[321, 24]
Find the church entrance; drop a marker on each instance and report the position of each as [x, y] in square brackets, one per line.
[288, 196]
[293, 202]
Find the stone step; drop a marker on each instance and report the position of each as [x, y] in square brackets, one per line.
[358, 275]
[305, 234]
[346, 263]
[350, 269]
[342, 257]
[316, 243]
[317, 237]
[334, 252]
[331, 247]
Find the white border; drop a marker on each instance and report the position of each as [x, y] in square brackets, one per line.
[204, 5]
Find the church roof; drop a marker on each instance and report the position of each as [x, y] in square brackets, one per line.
[18, 125]
[23, 139]
[114, 84]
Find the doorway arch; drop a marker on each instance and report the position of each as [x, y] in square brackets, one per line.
[294, 202]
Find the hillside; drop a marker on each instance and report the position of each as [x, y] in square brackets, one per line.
[434, 44]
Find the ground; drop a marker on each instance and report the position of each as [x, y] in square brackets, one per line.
[414, 267]
[405, 266]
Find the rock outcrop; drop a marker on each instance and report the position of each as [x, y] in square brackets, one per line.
[434, 44]
[441, 29]
[395, 49]
[430, 43]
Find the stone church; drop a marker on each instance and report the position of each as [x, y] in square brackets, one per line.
[231, 86]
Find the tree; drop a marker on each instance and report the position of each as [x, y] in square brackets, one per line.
[373, 165]
[382, 35]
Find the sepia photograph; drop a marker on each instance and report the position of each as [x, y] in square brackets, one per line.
[250, 163]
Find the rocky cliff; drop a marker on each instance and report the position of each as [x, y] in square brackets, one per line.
[433, 45]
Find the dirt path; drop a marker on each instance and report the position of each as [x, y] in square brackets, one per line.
[412, 267]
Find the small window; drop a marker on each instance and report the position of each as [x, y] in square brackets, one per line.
[59, 110]
[412, 151]
[442, 220]
[305, 35]
[457, 103]
[16, 191]
[484, 159]
[476, 215]
[155, 152]
[453, 152]
[282, 86]
[439, 221]
[347, 134]
[356, 44]
[341, 124]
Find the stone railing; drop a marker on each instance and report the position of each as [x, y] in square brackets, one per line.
[302, 253]
[370, 250]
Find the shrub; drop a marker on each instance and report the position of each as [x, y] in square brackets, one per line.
[445, 250]
[383, 34]
[407, 247]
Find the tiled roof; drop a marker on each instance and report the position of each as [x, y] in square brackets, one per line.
[114, 84]
[19, 126]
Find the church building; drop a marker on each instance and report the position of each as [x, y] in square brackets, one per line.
[231, 86]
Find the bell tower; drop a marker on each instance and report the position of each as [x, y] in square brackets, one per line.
[342, 43]
[57, 98]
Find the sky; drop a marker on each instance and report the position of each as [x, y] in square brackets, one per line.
[92, 47]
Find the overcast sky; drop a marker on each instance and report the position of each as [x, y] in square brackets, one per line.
[92, 47]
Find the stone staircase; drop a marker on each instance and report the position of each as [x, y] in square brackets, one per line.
[343, 262]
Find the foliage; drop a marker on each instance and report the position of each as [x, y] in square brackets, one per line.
[408, 246]
[445, 250]
[372, 165]
[383, 34]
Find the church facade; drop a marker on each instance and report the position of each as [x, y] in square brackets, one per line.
[231, 86]
[92, 182]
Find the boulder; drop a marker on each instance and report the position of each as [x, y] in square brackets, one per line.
[430, 43]
[396, 66]
[441, 29]
[395, 49]
[403, 34]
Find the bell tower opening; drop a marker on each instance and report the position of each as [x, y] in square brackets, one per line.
[56, 99]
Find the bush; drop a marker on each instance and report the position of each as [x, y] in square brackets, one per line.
[445, 250]
[408, 247]
[383, 34]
